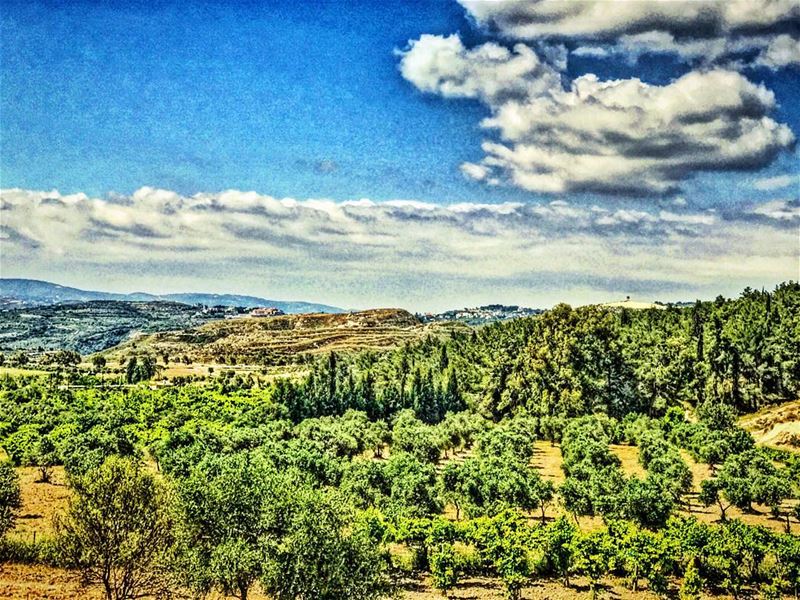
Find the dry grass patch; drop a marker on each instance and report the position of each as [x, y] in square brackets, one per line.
[40, 503]
[629, 457]
[775, 426]
[37, 582]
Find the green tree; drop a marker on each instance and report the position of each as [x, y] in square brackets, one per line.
[645, 554]
[593, 556]
[558, 552]
[9, 496]
[230, 504]
[505, 541]
[412, 485]
[118, 530]
[444, 567]
[692, 584]
[322, 556]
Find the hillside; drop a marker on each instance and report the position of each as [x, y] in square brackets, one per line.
[26, 293]
[88, 327]
[777, 426]
[272, 340]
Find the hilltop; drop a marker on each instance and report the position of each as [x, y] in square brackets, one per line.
[273, 340]
[26, 293]
[481, 315]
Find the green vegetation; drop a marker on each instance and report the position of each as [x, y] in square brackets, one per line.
[371, 464]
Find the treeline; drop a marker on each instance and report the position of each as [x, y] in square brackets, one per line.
[571, 362]
[334, 386]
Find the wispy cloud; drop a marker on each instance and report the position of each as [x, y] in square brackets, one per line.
[413, 253]
[776, 183]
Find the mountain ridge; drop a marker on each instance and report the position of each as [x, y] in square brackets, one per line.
[27, 293]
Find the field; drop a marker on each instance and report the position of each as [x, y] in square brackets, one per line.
[277, 340]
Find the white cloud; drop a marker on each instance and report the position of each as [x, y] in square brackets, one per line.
[781, 51]
[774, 51]
[474, 171]
[412, 253]
[618, 136]
[490, 72]
[534, 19]
[776, 183]
[779, 210]
[600, 136]
[705, 30]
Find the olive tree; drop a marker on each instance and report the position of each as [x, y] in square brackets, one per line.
[321, 554]
[118, 529]
[225, 529]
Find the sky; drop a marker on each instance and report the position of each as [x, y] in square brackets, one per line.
[427, 155]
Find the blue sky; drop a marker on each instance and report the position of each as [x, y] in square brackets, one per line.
[216, 96]
[311, 101]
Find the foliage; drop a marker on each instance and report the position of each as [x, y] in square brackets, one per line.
[9, 496]
[118, 529]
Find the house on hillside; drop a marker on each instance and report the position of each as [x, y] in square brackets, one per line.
[266, 311]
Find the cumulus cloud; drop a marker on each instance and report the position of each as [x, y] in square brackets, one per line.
[413, 253]
[532, 19]
[489, 72]
[781, 51]
[599, 136]
[695, 29]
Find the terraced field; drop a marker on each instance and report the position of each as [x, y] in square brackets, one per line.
[276, 340]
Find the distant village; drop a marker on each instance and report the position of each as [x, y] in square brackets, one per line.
[481, 314]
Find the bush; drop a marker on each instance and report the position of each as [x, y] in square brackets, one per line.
[44, 551]
[9, 496]
[444, 567]
[118, 529]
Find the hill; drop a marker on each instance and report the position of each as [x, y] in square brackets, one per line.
[634, 305]
[26, 293]
[88, 327]
[777, 426]
[272, 340]
[481, 315]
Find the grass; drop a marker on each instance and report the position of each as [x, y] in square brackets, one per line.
[40, 503]
[18, 371]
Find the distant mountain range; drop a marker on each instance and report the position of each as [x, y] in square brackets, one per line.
[26, 293]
